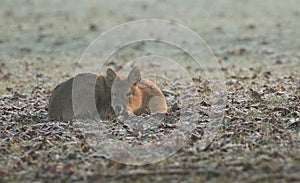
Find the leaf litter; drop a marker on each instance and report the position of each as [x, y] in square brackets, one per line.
[259, 136]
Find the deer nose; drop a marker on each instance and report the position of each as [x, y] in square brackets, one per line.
[118, 109]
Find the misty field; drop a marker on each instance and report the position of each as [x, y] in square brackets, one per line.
[257, 45]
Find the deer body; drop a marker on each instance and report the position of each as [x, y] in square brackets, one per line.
[61, 105]
[111, 94]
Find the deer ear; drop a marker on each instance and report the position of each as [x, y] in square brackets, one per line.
[111, 75]
[134, 76]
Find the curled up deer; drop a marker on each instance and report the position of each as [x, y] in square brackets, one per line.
[106, 95]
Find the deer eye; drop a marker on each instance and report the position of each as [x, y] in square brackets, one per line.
[128, 94]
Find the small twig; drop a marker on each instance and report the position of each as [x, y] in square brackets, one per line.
[179, 171]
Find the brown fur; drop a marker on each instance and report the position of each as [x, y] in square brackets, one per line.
[61, 106]
[130, 95]
[136, 95]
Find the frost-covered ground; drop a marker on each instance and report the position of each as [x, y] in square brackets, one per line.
[257, 45]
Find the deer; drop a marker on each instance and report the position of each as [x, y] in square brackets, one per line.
[103, 96]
